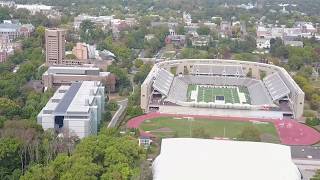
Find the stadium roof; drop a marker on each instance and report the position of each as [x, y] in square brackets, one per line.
[206, 159]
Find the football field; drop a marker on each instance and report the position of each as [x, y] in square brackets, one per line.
[218, 94]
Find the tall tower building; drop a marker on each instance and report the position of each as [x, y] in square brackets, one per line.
[55, 46]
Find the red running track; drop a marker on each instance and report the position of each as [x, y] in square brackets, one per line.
[290, 132]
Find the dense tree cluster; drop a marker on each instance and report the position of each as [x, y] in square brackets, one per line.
[105, 156]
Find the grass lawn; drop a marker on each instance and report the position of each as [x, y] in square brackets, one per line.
[170, 127]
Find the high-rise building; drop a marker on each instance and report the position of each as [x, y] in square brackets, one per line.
[55, 46]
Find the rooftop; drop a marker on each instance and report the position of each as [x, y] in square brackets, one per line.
[75, 98]
[188, 159]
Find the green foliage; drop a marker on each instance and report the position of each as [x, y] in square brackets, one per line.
[250, 133]
[312, 121]
[121, 51]
[112, 106]
[135, 39]
[141, 75]
[105, 156]
[4, 13]
[153, 45]
[8, 107]
[71, 56]
[138, 63]
[134, 111]
[9, 156]
[134, 98]
[203, 30]
[90, 33]
[180, 30]
[123, 82]
[193, 53]
[309, 113]
[34, 103]
[245, 57]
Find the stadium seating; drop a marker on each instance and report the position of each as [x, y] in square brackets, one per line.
[178, 91]
[276, 87]
[257, 90]
[259, 94]
[176, 88]
[217, 69]
[162, 81]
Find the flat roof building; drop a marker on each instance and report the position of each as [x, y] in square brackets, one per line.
[14, 30]
[206, 159]
[77, 108]
[56, 76]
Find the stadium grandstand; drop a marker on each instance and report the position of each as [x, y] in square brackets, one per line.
[236, 86]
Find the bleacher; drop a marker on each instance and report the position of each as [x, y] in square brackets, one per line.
[218, 80]
[162, 81]
[259, 94]
[178, 91]
[276, 87]
[217, 69]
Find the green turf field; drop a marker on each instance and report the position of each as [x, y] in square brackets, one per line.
[170, 127]
[210, 93]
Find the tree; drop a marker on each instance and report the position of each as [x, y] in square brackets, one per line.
[104, 156]
[122, 77]
[140, 76]
[315, 102]
[312, 121]
[112, 106]
[4, 13]
[181, 30]
[90, 33]
[134, 111]
[203, 30]
[138, 63]
[9, 156]
[71, 56]
[250, 133]
[8, 107]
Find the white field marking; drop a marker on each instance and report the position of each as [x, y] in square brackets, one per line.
[242, 97]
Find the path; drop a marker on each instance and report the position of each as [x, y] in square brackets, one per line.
[122, 107]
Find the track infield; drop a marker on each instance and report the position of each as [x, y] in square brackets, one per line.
[289, 132]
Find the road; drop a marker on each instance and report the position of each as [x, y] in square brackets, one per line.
[122, 106]
[307, 158]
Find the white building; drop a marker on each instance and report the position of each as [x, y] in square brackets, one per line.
[104, 21]
[7, 4]
[35, 8]
[187, 18]
[263, 43]
[206, 159]
[77, 108]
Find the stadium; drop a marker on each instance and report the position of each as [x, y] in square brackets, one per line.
[222, 88]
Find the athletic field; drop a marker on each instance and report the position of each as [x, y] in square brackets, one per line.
[183, 127]
[218, 94]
